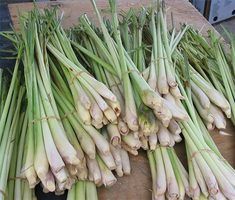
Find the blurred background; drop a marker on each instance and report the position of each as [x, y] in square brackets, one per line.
[217, 12]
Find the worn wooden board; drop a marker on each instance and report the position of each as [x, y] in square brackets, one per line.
[182, 10]
[138, 185]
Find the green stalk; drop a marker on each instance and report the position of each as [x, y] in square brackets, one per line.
[18, 183]
[80, 190]
[12, 137]
[9, 95]
[91, 192]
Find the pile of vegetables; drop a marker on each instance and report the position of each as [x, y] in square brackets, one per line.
[80, 101]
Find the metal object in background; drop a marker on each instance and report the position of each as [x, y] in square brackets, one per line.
[215, 10]
[199, 4]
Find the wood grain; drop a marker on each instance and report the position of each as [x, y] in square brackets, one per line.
[138, 185]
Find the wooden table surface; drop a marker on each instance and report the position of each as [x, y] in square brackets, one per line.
[137, 186]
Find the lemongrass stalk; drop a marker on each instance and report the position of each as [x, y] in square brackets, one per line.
[207, 137]
[108, 160]
[85, 140]
[225, 169]
[100, 61]
[61, 176]
[162, 84]
[91, 192]
[202, 97]
[83, 76]
[144, 142]
[153, 141]
[53, 155]
[152, 78]
[107, 37]
[218, 196]
[177, 138]
[94, 170]
[170, 75]
[204, 113]
[130, 107]
[12, 139]
[164, 115]
[193, 180]
[116, 152]
[214, 96]
[101, 143]
[41, 163]
[172, 186]
[161, 182]
[83, 113]
[97, 125]
[177, 112]
[130, 140]
[9, 119]
[129, 149]
[27, 193]
[108, 112]
[126, 167]
[153, 172]
[72, 169]
[208, 175]
[50, 182]
[72, 138]
[114, 135]
[219, 119]
[34, 196]
[66, 150]
[18, 182]
[108, 179]
[58, 79]
[163, 136]
[80, 99]
[95, 111]
[80, 192]
[13, 162]
[4, 91]
[177, 103]
[174, 127]
[79, 93]
[115, 88]
[147, 121]
[122, 127]
[182, 189]
[9, 95]
[146, 73]
[176, 93]
[82, 170]
[172, 140]
[210, 126]
[59, 191]
[180, 171]
[72, 193]
[87, 144]
[70, 182]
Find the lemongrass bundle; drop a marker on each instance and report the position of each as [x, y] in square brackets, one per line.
[169, 177]
[10, 122]
[210, 68]
[207, 171]
[84, 190]
[117, 67]
[92, 99]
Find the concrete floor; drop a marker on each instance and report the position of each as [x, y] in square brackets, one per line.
[227, 24]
